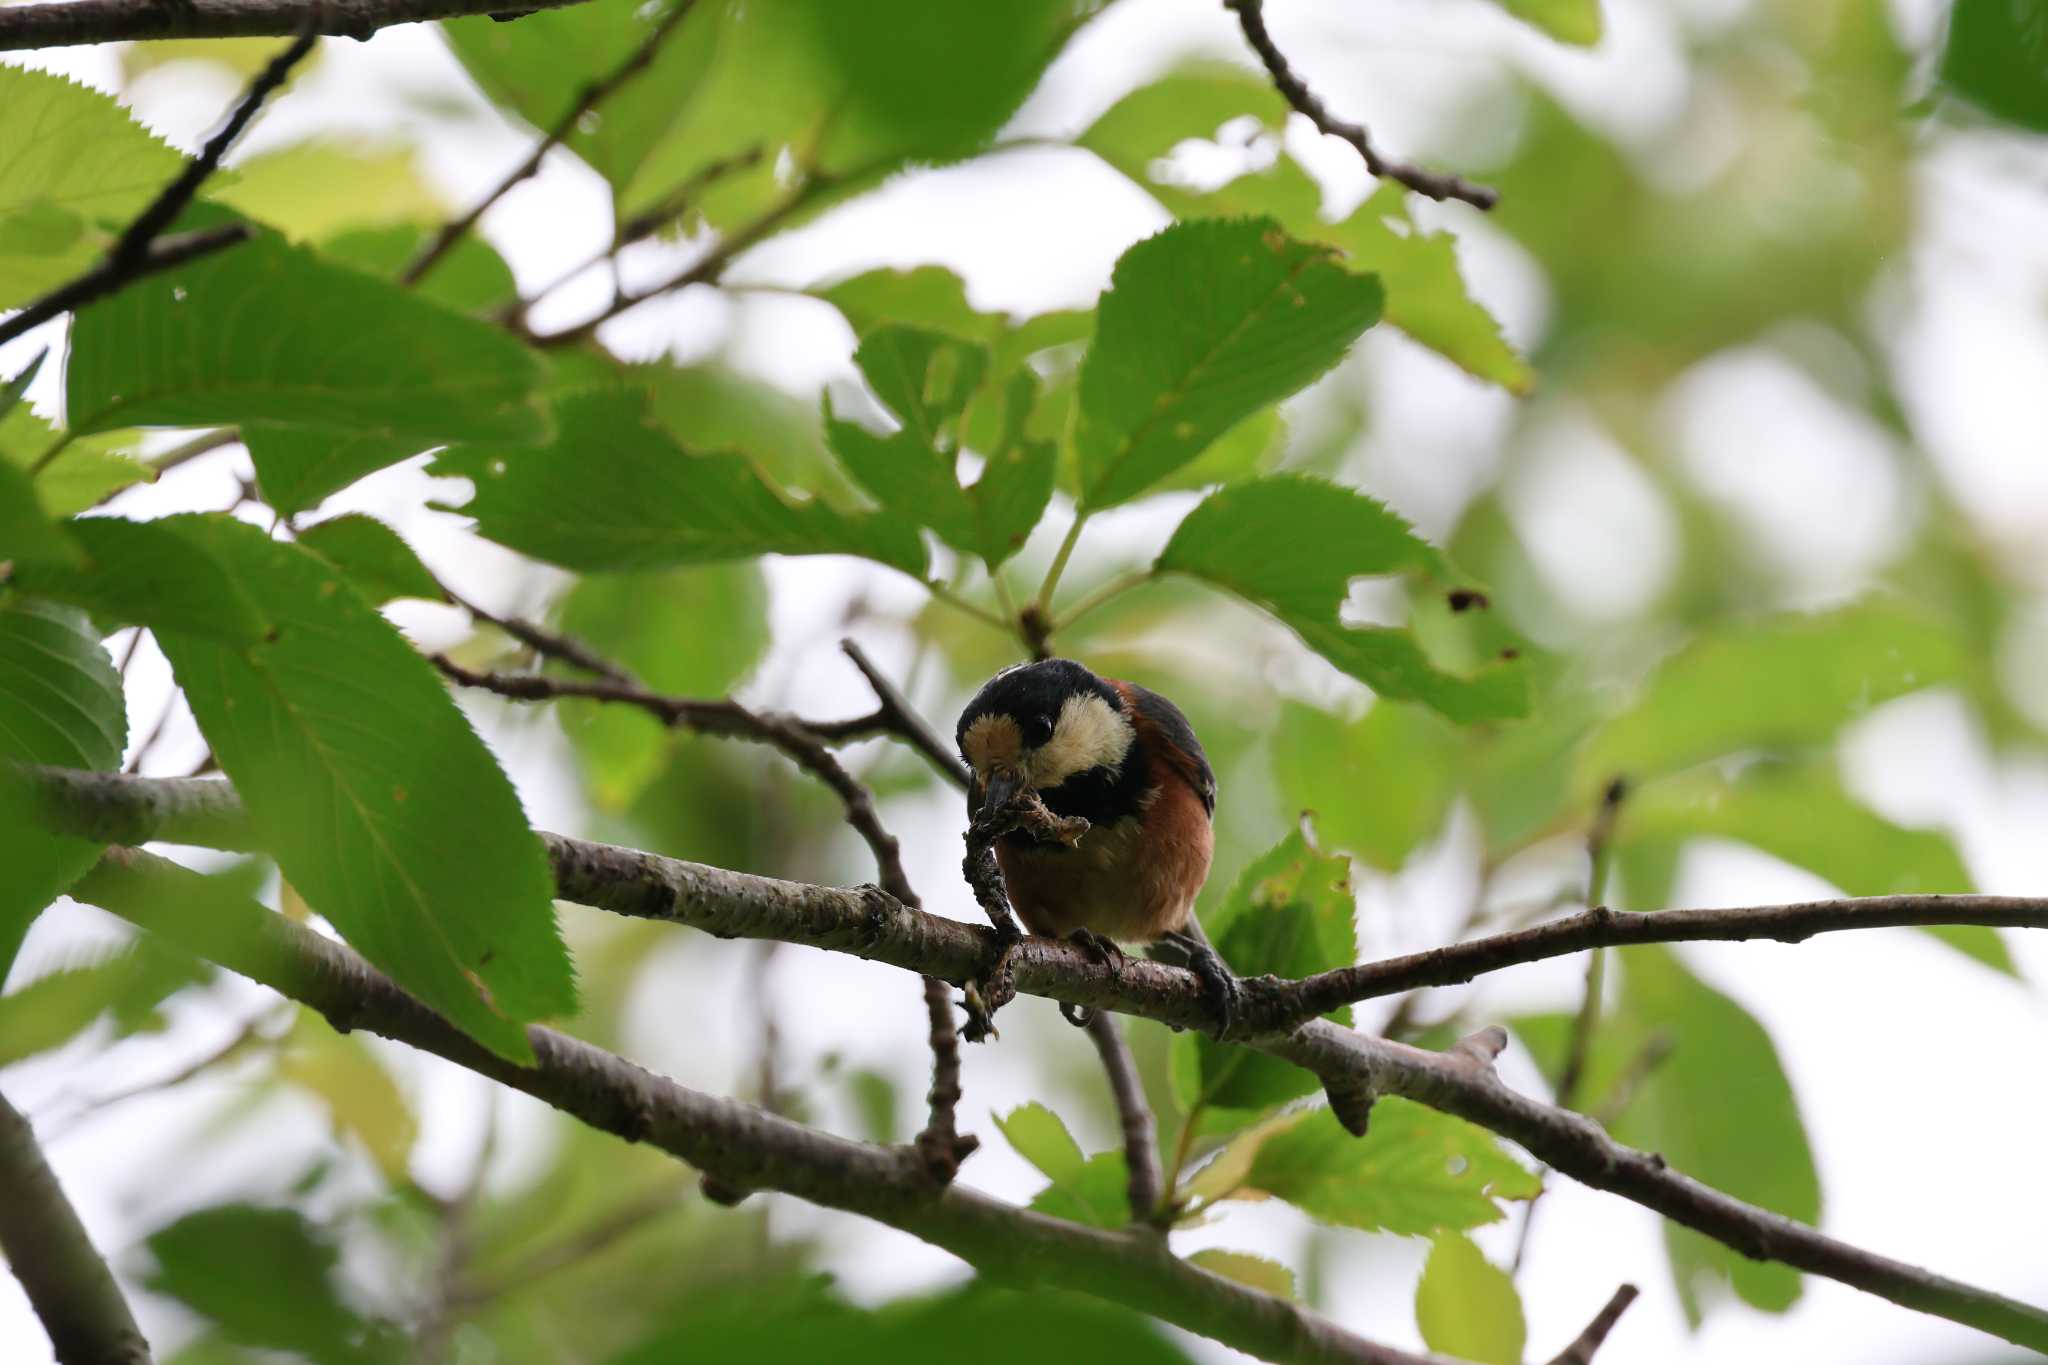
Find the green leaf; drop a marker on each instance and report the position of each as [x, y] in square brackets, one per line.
[146, 573]
[1466, 1306]
[1719, 1108]
[26, 532]
[61, 1004]
[1043, 1140]
[362, 1099]
[1412, 758]
[1334, 535]
[208, 1259]
[657, 506]
[314, 189]
[297, 470]
[1568, 21]
[929, 298]
[373, 792]
[751, 1321]
[1780, 682]
[60, 704]
[1098, 1195]
[1426, 293]
[73, 157]
[541, 70]
[84, 473]
[470, 278]
[1801, 813]
[714, 407]
[1203, 325]
[927, 380]
[1254, 1272]
[1997, 58]
[266, 332]
[376, 560]
[1415, 1172]
[1290, 914]
[693, 632]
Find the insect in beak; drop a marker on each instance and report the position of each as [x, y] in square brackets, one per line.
[1004, 785]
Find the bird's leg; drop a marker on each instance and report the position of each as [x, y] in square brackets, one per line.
[1218, 981]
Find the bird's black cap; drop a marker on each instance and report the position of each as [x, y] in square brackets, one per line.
[1032, 695]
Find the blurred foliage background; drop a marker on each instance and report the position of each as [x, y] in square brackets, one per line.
[1731, 408]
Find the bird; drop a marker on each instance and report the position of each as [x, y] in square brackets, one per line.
[1125, 759]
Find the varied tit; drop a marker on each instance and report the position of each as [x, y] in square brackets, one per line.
[1125, 759]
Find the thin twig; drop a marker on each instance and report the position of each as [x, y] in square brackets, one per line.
[112, 21]
[162, 211]
[106, 278]
[547, 643]
[896, 716]
[592, 95]
[1141, 1131]
[1580, 1352]
[67, 1282]
[1653, 1054]
[1251, 17]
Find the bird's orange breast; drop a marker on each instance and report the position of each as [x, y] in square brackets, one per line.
[1132, 880]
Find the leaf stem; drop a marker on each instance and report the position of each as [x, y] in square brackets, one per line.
[946, 594]
[1059, 561]
[1115, 588]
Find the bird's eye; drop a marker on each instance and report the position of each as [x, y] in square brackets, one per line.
[1037, 730]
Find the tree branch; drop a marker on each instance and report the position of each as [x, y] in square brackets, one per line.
[1580, 1352]
[1141, 1131]
[110, 21]
[67, 1283]
[743, 1146]
[1353, 1066]
[1251, 17]
[592, 95]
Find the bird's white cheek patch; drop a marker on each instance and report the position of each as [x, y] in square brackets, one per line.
[990, 740]
[1089, 733]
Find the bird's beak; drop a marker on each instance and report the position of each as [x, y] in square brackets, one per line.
[1003, 786]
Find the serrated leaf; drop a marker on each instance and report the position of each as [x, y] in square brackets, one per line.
[1254, 1272]
[1042, 1139]
[316, 188]
[207, 1260]
[1413, 759]
[367, 784]
[694, 632]
[84, 473]
[361, 1097]
[1290, 914]
[1415, 1172]
[1997, 58]
[1781, 682]
[60, 704]
[1569, 21]
[1098, 1195]
[1800, 812]
[928, 297]
[73, 156]
[1467, 1307]
[1331, 536]
[927, 380]
[1426, 294]
[657, 506]
[297, 470]
[267, 332]
[380, 564]
[145, 573]
[26, 532]
[1203, 325]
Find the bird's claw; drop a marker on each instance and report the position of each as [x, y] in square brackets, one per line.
[1101, 949]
